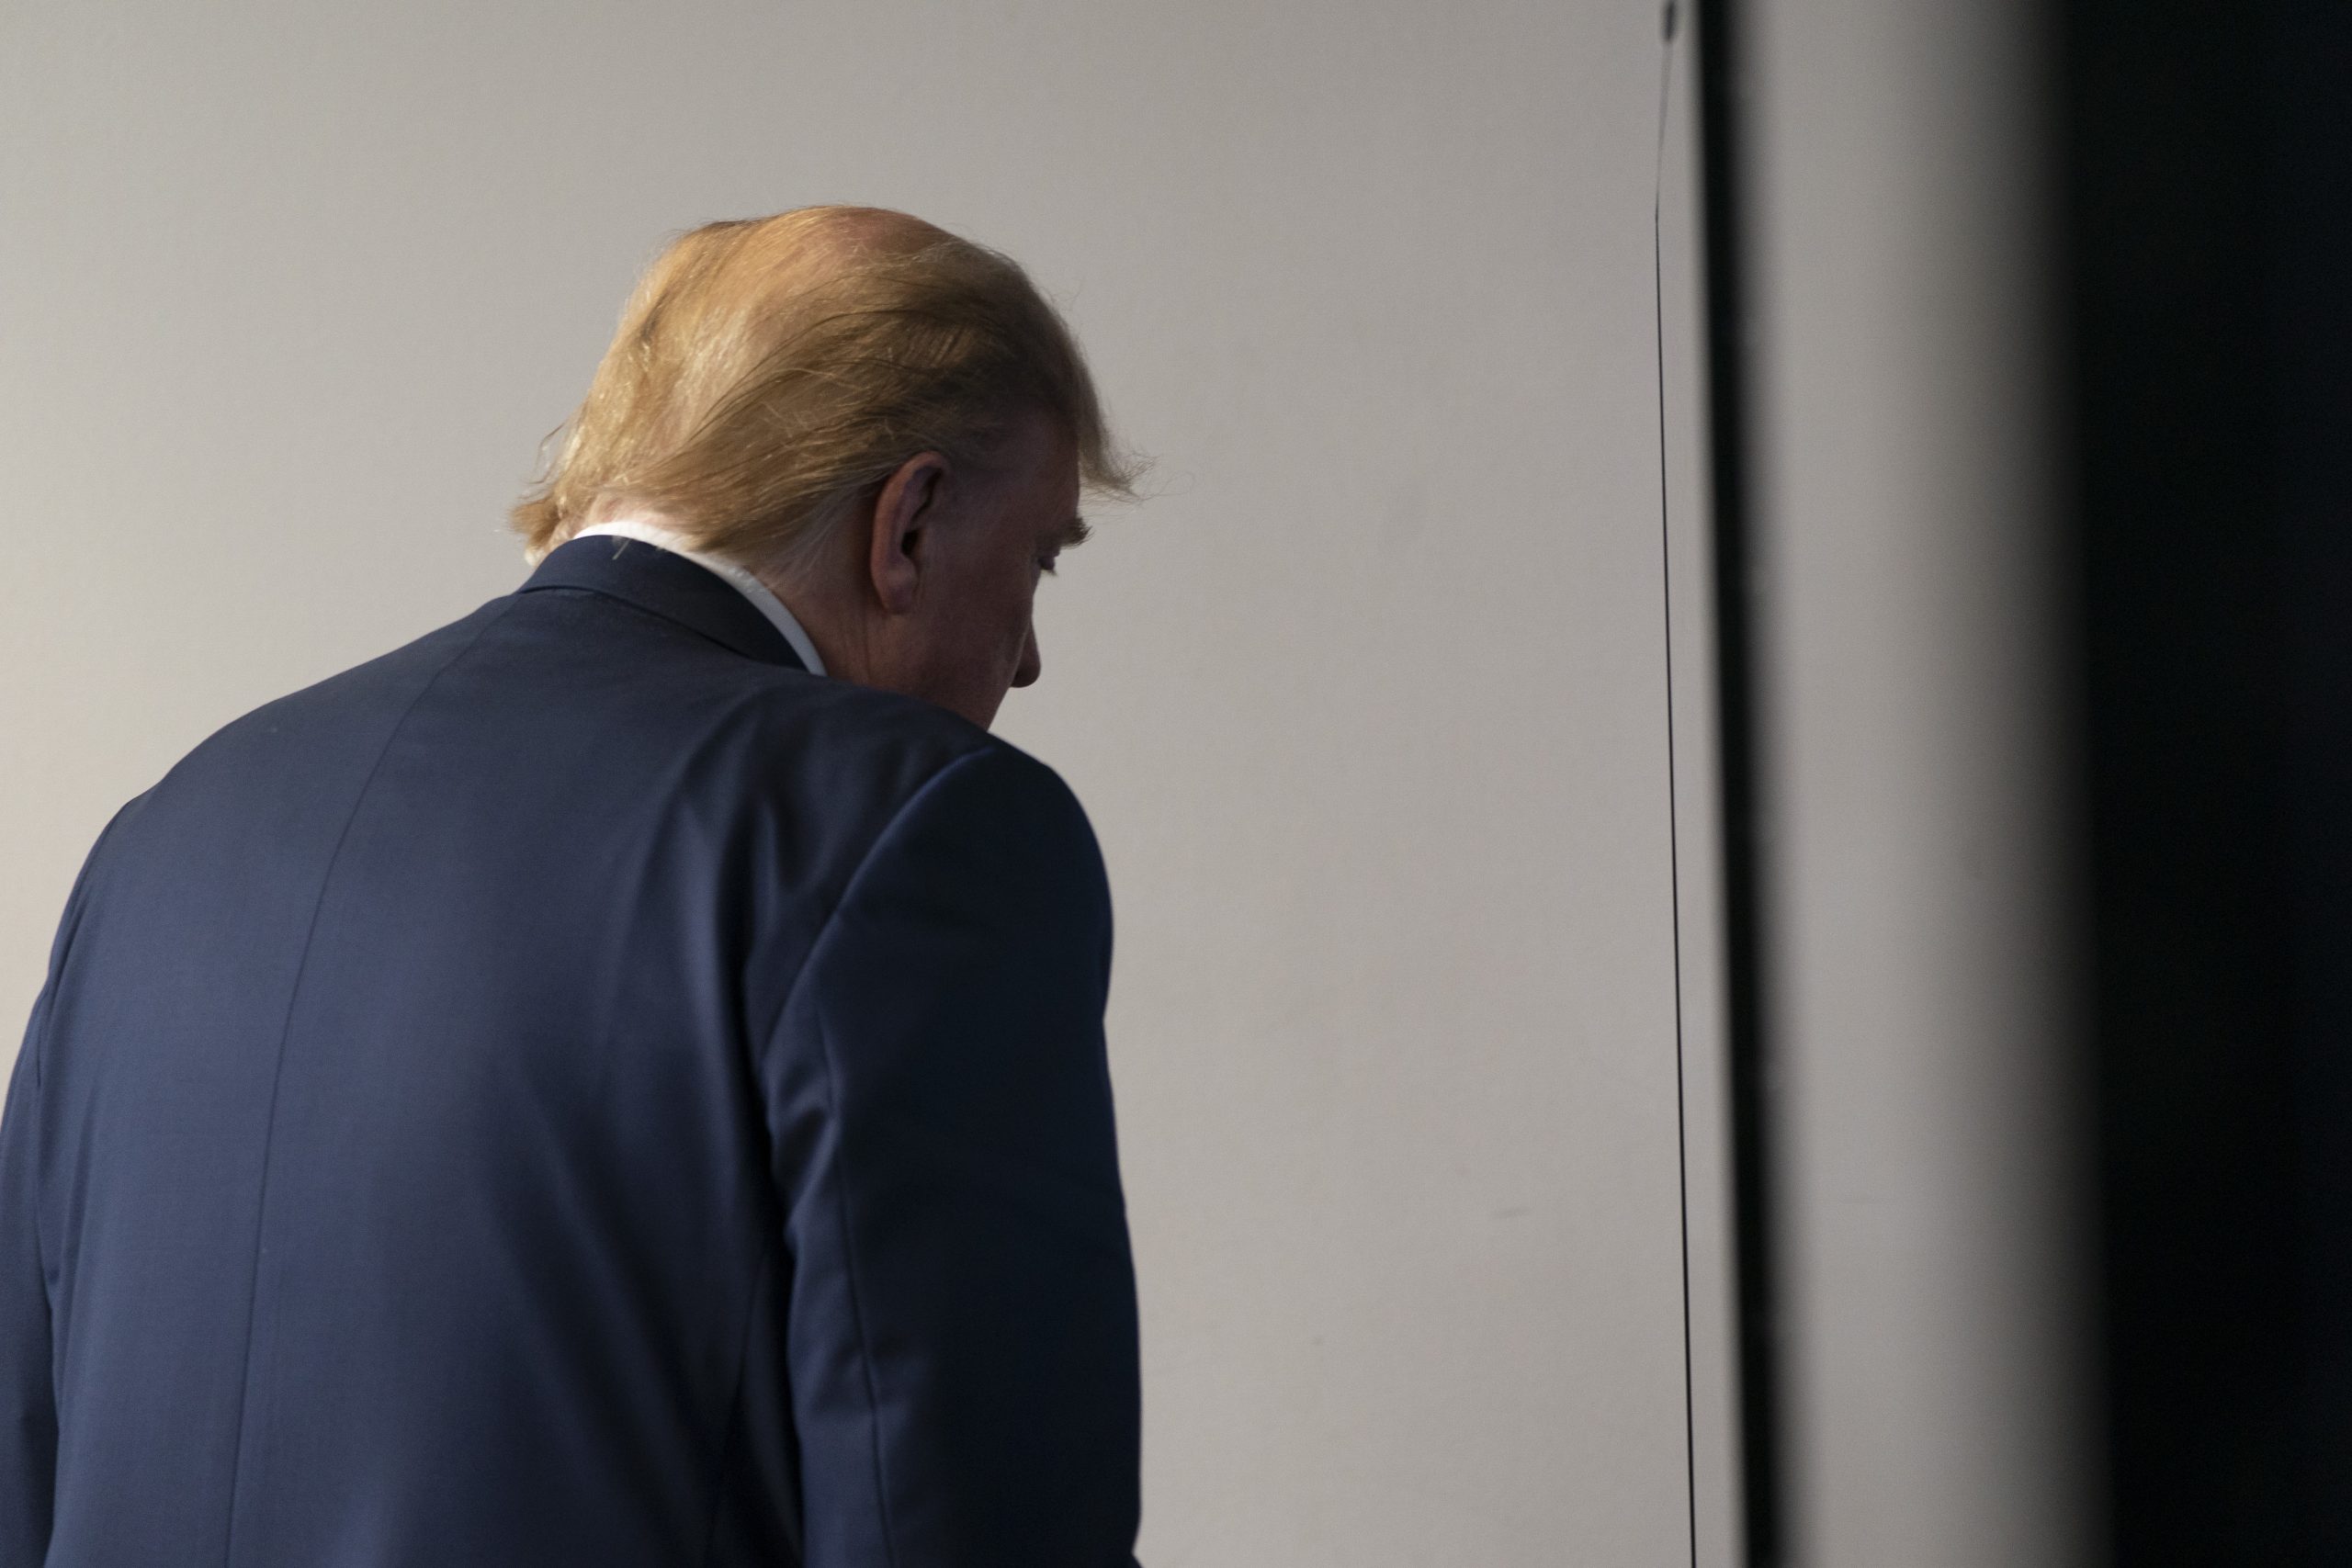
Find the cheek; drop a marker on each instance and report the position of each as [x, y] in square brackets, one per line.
[1021, 605]
[998, 631]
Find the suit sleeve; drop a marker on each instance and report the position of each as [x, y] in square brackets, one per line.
[961, 1308]
[28, 1385]
[27, 1411]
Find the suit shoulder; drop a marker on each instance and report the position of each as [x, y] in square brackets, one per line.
[826, 711]
[997, 805]
[825, 742]
[1028, 782]
[349, 708]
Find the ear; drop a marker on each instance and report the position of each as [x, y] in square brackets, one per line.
[904, 509]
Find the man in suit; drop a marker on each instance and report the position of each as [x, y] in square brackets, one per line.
[620, 1079]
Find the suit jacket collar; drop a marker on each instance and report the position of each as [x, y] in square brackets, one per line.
[670, 586]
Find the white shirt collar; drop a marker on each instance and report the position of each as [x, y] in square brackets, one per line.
[762, 598]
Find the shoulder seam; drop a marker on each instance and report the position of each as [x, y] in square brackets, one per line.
[767, 1040]
[857, 875]
[36, 1047]
[293, 995]
[73, 922]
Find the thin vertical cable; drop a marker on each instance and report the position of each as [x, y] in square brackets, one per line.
[1673, 814]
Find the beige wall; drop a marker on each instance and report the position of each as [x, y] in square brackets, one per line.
[1368, 703]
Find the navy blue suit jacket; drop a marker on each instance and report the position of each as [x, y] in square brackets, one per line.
[577, 1089]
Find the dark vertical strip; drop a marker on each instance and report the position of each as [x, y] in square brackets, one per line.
[1748, 1043]
[2307, 97]
[2206, 163]
[1673, 772]
[2199, 1323]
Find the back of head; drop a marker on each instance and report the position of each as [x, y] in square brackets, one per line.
[768, 372]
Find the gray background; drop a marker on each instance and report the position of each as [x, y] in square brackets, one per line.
[1368, 702]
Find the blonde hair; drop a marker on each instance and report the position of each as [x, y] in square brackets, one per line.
[769, 371]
